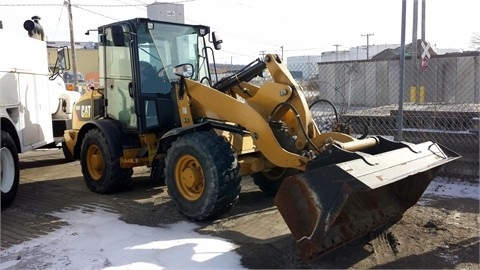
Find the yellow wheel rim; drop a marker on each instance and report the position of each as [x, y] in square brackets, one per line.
[189, 178]
[95, 163]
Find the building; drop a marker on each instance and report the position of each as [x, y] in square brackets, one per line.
[168, 12]
[305, 66]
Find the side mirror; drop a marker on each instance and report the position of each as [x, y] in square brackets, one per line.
[61, 60]
[217, 41]
[184, 70]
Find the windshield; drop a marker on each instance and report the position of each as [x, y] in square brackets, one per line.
[165, 46]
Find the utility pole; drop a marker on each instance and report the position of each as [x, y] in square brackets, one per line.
[402, 74]
[262, 54]
[281, 47]
[414, 31]
[423, 20]
[336, 49]
[368, 43]
[72, 44]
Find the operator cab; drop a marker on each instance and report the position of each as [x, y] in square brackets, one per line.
[137, 60]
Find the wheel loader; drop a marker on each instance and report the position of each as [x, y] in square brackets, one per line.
[164, 103]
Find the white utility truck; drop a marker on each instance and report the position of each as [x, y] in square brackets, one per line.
[35, 107]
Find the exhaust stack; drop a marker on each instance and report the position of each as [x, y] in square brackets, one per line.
[35, 30]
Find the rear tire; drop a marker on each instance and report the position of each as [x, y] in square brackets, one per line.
[101, 169]
[202, 175]
[9, 171]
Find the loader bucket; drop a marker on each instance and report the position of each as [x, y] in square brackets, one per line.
[344, 195]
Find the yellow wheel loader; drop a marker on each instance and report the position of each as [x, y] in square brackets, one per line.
[162, 104]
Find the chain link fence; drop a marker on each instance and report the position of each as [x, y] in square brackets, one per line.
[440, 101]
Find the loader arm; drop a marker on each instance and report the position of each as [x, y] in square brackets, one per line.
[295, 113]
[209, 101]
[280, 100]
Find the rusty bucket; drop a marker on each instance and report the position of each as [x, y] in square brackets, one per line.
[344, 195]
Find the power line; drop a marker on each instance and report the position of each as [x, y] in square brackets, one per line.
[136, 6]
[111, 5]
[85, 5]
[96, 13]
[58, 22]
[30, 5]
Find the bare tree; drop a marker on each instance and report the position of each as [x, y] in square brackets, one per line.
[475, 41]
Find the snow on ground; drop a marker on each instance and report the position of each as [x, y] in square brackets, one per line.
[100, 240]
[453, 188]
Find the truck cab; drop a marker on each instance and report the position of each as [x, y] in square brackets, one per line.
[35, 107]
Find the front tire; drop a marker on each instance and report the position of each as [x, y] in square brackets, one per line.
[202, 175]
[101, 169]
[9, 170]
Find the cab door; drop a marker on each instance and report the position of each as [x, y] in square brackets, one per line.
[116, 73]
[156, 100]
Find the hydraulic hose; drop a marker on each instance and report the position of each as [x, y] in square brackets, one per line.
[246, 74]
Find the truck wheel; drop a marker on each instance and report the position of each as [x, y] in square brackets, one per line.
[269, 181]
[68, 156]
[101, 169]
[9, 170]
[202, 175]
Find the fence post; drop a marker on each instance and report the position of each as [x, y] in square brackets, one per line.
[402, 75]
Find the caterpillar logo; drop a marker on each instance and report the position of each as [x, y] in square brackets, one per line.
[84, 111]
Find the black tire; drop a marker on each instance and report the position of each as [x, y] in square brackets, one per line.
[157, 171]
[101, 169]
[10, 171]
[66, 153]
[269, 181]
[202, 175]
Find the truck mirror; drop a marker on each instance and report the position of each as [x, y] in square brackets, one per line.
[217, 41]
[62, 62]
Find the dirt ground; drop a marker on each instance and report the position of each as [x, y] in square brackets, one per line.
[437, 233]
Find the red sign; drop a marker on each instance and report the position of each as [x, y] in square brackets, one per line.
[425, 63]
